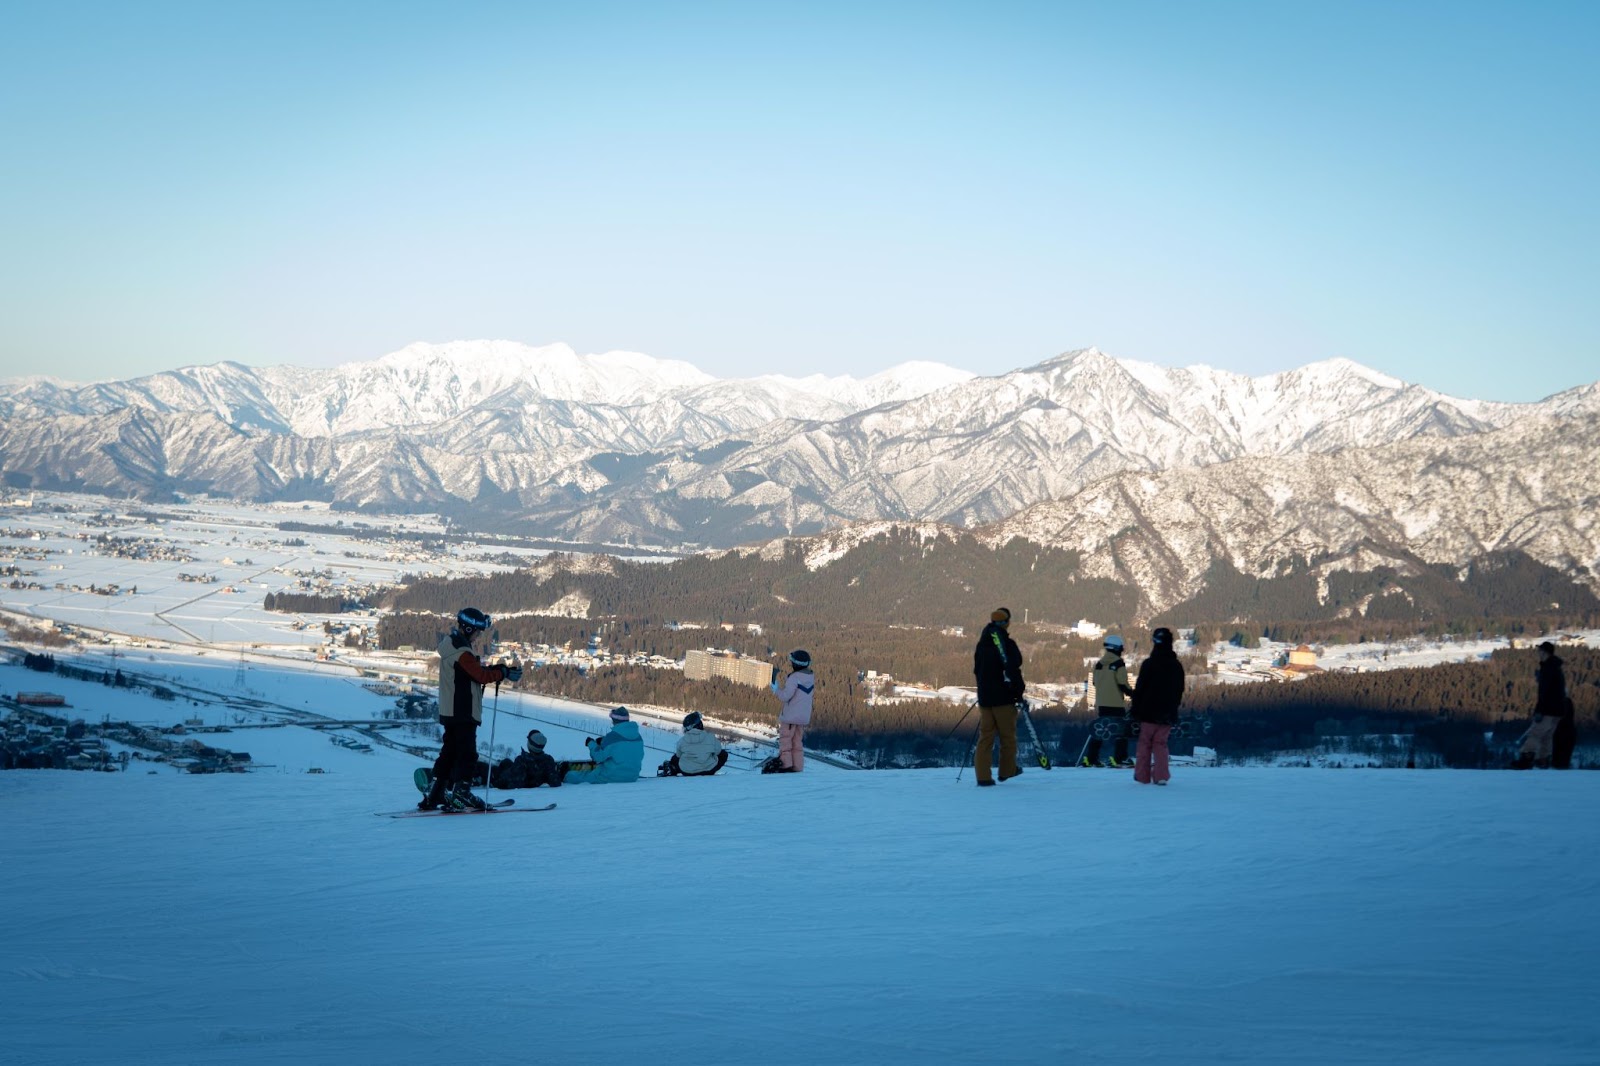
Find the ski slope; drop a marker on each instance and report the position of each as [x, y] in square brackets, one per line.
[1240, 915]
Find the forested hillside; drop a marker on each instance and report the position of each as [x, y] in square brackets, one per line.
[902, 576]
[910, 603]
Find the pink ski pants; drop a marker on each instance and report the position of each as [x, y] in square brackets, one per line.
[790, 751]
[1150, 764]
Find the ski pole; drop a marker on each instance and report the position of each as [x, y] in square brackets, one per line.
[953, 728]
[971, 750]
[952, 733]
[494, 720]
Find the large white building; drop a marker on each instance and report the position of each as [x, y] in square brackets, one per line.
[741, 669]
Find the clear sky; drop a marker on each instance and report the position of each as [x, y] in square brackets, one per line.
[807, 187]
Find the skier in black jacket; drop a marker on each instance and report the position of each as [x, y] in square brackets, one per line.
[1156, 697]
[997, 665]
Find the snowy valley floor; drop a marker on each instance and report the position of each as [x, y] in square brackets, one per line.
[1241, 915]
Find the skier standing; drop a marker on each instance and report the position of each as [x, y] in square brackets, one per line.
[1538, 747]
[1155, 707]
[462, 677]
[997, 666]
[1111, 692]
[613, 758]
[796, 696]
[699, 751]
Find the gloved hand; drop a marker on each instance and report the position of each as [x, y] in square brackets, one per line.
[774, 687]
[513, 674]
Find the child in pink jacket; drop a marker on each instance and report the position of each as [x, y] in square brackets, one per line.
[795, 694]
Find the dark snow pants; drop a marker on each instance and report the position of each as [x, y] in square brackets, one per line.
[458, 755]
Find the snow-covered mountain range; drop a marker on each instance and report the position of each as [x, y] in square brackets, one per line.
[1153, 473]
[426, 384]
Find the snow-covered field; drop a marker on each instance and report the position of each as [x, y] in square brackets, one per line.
[1239, 915]
[237, 545]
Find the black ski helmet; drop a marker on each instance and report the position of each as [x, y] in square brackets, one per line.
[1162, 636]
[800, 658]
[692, 720]
[472, 621]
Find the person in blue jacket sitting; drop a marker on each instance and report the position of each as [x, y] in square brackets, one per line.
[617, 756]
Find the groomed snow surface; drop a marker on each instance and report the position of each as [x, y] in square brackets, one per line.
[1240, 915]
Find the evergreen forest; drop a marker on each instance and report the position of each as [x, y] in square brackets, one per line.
[910, 603]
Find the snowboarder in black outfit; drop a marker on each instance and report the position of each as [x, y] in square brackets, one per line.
[531, 768]
[462, 677]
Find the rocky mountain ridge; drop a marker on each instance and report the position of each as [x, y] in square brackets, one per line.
[623, 448]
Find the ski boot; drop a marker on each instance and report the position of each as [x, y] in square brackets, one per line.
[1089, 764]
[436, 796]
[463, 799]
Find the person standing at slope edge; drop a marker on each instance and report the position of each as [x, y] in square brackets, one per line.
[1538, 747]
[462, 677]
[1111, 692]
[997, 666]
[1155, 707]
[796, 696]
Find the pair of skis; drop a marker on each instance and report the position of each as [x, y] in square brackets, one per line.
[423, 779]
[503, 807]
[1027, 719]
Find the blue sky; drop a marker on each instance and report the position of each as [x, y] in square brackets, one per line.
[807, 187]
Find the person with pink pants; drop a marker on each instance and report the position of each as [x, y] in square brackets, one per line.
[1156, 697]
[795, 695]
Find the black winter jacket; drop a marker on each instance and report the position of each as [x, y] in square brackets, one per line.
[1552, 689]
[530, 770]
[1159, 690]
[997, 664]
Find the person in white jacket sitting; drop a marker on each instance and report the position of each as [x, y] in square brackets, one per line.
[699, 752]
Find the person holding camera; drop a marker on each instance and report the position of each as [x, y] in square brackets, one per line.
[997, 666]
[462, 677]
[796, 696]
[616, 757]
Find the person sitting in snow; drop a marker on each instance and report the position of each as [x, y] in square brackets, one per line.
[615, 757]
[531, 768]
[699, 751]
